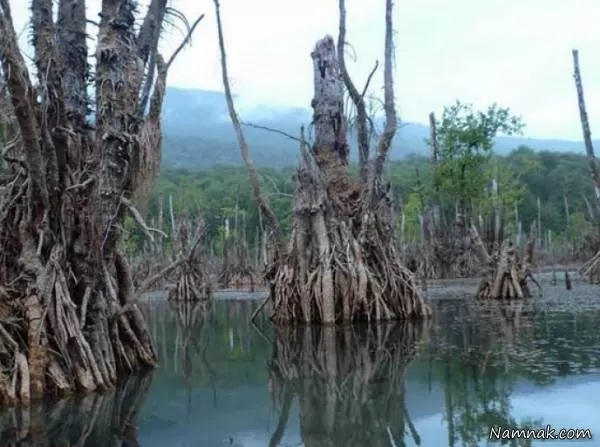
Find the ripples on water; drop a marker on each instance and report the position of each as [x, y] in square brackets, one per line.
[223, 382]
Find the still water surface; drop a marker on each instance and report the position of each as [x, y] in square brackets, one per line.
[224, 382]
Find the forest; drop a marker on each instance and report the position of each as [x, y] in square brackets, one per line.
[559, 180]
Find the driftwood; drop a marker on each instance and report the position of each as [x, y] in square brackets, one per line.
[349, 382]
[341, 263]
[70, 319]
[506, 273]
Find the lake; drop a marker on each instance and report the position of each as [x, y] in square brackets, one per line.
[223, 381]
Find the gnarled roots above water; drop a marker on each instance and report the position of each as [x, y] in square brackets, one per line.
[506, 273]
[350, 381]
[68, 314]
[342, 260]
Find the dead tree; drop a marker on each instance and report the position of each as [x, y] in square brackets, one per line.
[69, 317]
[193, 283]
[591, 268]
[505, 273]
[341, 263]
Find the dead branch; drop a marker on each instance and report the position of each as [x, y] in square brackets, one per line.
[263, 202]
[357, 98]
[391, 121]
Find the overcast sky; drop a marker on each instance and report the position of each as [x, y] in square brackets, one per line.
[514, 52]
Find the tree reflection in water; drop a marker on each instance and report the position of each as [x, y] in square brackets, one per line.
[191, 338]
[349, 382]
[92, 420]
[477, 351]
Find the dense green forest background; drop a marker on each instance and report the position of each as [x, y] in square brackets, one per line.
[528, 175]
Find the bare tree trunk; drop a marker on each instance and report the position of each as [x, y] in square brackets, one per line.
[585, 127]
[592, 267]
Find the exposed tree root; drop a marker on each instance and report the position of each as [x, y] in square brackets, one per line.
[193, 283]
[70, 320]
[505, 275]
[343, 254]
[96, 419]
[342, 263]
[349, 382]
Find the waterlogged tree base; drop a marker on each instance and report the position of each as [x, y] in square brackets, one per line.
[342, 264]
[95, 419]
[506, 275]
[342, 253]
[350, 382]
[68, 315]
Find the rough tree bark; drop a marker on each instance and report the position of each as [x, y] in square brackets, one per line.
[69, 320]
[341, 263]
[592, 267]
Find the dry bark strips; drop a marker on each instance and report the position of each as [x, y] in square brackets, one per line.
[506, 273]
[68, 316]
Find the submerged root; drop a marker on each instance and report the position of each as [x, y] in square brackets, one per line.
[344, 376]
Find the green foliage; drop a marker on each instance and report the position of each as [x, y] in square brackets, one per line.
[465, 139]
[523, 176]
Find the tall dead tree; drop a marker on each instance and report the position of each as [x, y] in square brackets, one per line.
[68, 317]
[341, 263]
[585, 128]
[592, 267]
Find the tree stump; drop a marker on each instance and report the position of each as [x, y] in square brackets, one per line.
[506, 273]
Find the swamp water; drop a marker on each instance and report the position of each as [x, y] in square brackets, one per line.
[224, 382]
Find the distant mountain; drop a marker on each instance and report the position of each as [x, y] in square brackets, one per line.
[198, 133]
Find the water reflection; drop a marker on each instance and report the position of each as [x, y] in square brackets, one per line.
[350, 383]
[221, 382]
[94, 420]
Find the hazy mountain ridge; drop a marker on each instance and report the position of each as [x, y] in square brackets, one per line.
[198, 133]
